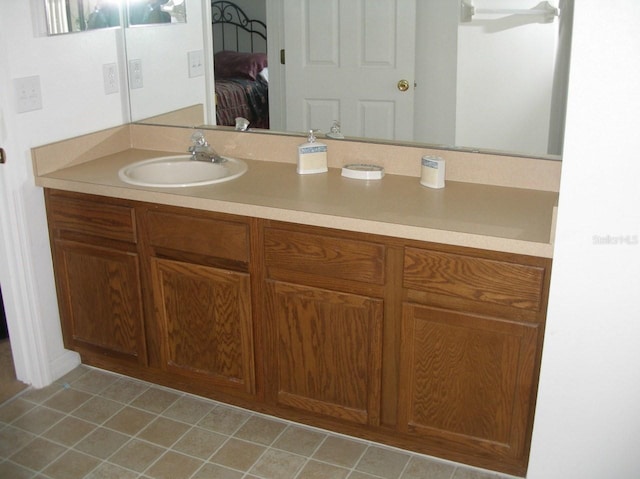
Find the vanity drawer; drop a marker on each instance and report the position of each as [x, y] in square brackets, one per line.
[479, 280]
[100, 218]
[329, 256]
[198, 234]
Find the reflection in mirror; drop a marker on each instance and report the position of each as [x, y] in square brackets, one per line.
[146, 12]
[495, 84]
[170, 65]
[64, 16]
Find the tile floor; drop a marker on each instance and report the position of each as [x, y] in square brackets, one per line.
[95, 424]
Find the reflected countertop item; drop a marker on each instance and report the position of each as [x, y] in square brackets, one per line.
[513, 220]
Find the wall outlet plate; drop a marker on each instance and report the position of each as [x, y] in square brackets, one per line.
[110, 74]
[135, 74]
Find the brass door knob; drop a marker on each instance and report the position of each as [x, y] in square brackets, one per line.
[403, 85]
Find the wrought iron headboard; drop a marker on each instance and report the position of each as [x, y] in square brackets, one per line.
[236, 31]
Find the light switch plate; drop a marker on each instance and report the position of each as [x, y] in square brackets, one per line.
[28, 94]
[196, 63]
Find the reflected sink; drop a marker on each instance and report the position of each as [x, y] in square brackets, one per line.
[181, 171]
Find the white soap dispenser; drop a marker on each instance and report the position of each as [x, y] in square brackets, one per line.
[312, 156]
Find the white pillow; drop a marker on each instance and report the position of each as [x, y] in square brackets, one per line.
[264, 73]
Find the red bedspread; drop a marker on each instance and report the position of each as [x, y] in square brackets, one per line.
[242, 97]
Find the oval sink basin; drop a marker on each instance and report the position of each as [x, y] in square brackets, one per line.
[181, 171]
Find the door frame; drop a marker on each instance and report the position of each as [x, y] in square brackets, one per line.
[28, 345]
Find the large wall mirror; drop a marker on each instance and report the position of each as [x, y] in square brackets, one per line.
[493, 79]
[70, 16]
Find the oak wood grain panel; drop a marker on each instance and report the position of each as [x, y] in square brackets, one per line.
[328, 256]
[467, 380]
[182, 231]
[100, 298]
[96, 218]
[205, 315]
[327, 351]
[483, 280]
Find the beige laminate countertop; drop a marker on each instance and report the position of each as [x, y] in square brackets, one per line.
[497, 218]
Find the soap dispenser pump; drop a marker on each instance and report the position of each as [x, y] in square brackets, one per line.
[312, 156]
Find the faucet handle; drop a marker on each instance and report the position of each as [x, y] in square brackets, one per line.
[198, 138]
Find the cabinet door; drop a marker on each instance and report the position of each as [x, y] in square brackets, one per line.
[327, 351]
[100, 300]
[205, 321]
[467, 381]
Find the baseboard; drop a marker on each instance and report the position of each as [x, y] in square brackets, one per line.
[63, 364]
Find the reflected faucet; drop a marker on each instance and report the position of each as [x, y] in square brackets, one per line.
[242, 124]
[202, 151]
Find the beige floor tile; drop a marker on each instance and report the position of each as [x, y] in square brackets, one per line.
[225, 420]
[463, 473]
[71, 465]
[69, 431]
[210, 471]
[124, 390]
[38, 453]
[340, 451]
[321, 470]
[199, 443]
[102, 442]
[188, 409]
[299, 440]
[66, 431]
[261, 430]
[97, 410]
[130, 420]
[14, 471]
[361, 475]
[163, 431]
[155, 400]
[41, 395]
[137, 455]
[12, 440]
[67, 399]
[424, 468]
[276, 464]
[237, 454]
[111, 471]
[383, 462]
[14, 409]
[173, 465]
[95, 381]
[38, 420]
[73, 375]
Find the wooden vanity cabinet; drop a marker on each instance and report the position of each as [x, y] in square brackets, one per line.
[97, 272]
[202, 326]
[324, 314]
[471, 334]
[425, 346]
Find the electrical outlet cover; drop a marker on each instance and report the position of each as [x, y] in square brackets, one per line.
[111, 81]
[135, 74]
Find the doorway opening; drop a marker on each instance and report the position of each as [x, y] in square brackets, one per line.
[9, 384]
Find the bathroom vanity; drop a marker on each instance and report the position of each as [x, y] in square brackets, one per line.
[271, 292]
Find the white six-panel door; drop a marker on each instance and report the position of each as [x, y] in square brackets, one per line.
[344, 59]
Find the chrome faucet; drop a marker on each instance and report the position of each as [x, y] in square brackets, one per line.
[202, 151]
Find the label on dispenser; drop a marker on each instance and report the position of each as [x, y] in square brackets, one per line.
[312, 158]
[433, 171]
